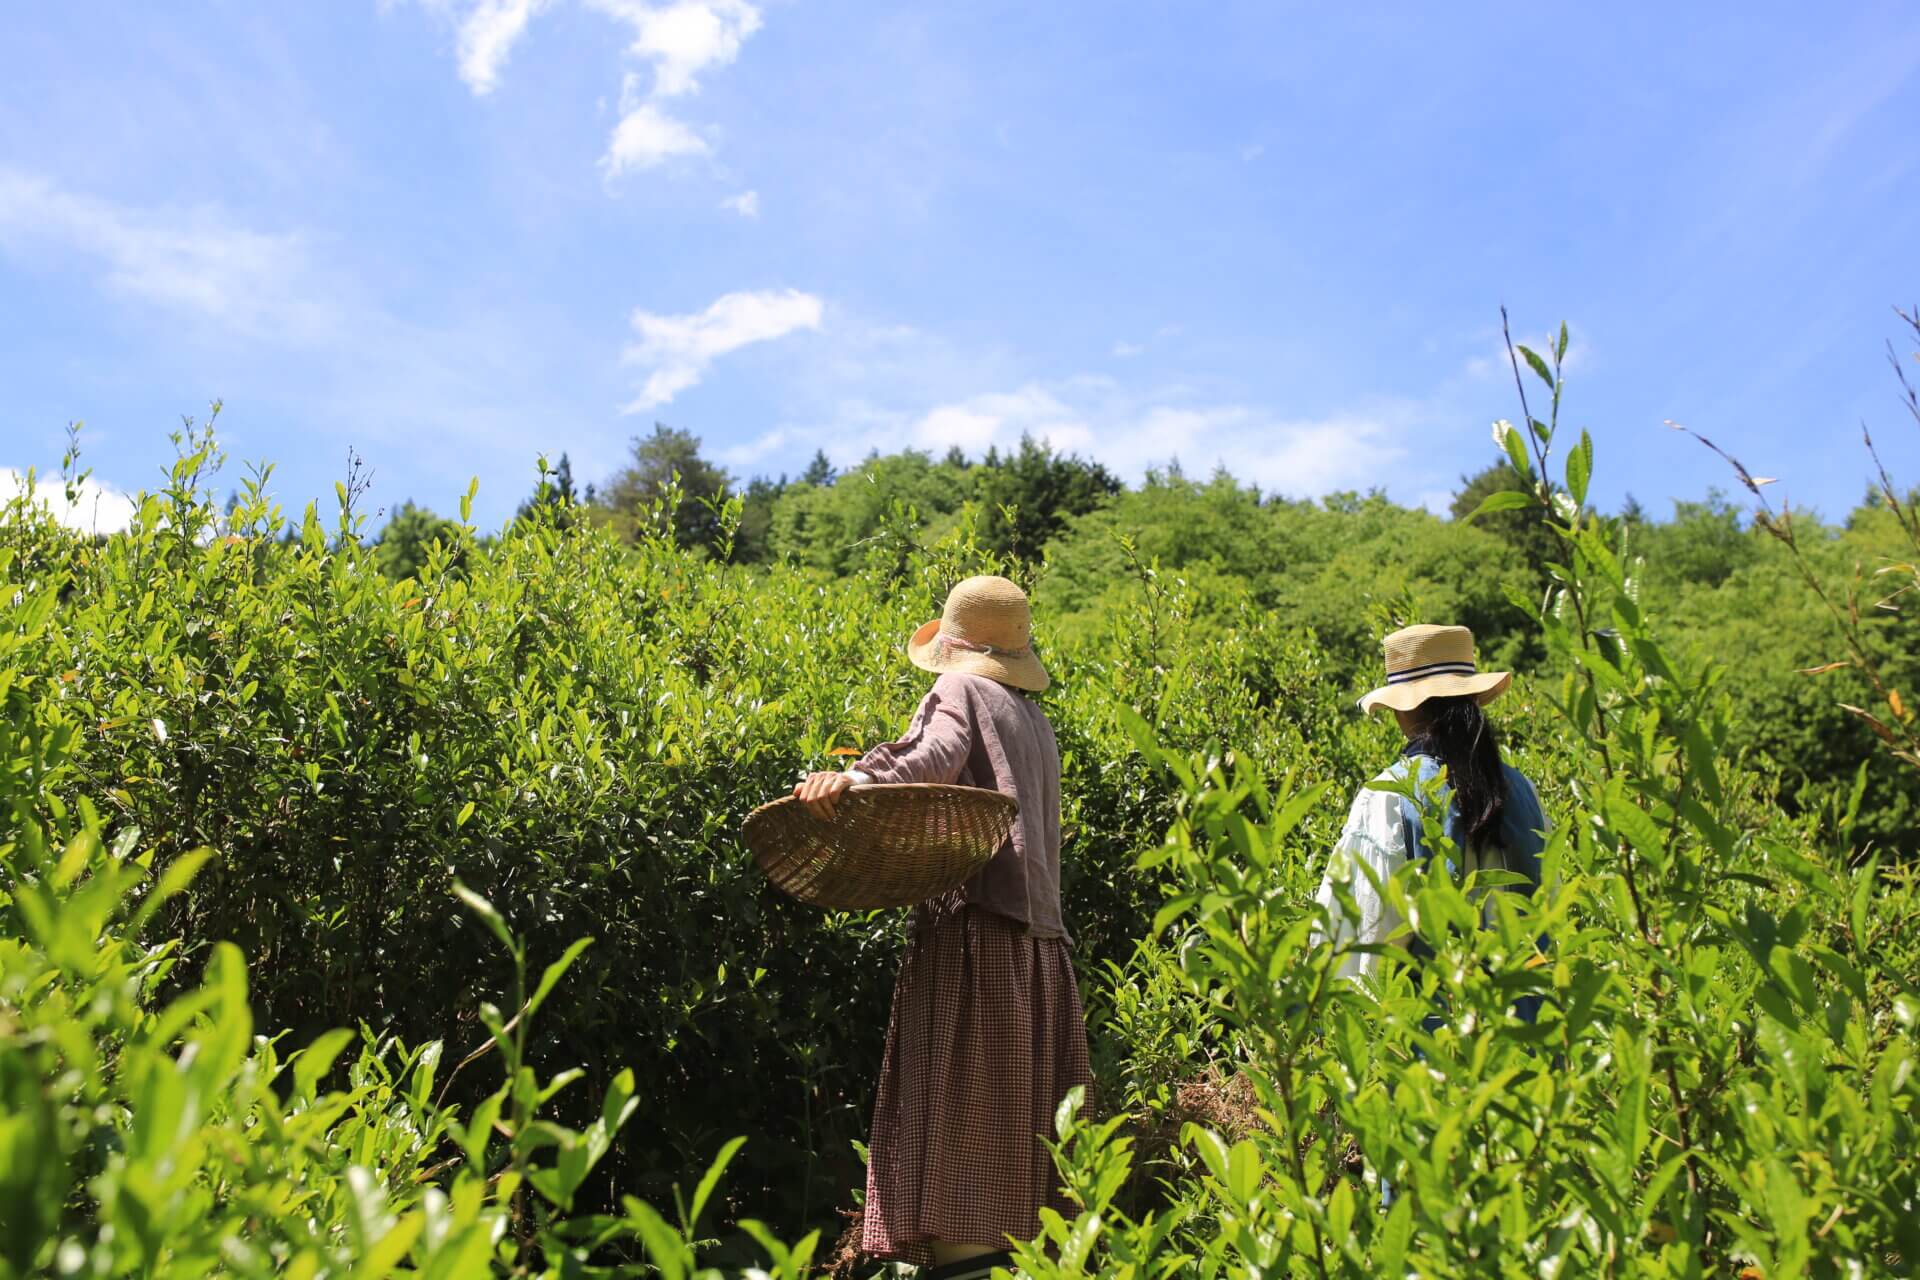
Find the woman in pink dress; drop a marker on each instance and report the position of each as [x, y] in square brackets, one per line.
[987, 1033]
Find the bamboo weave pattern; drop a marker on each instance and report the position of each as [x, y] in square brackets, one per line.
[888, 844]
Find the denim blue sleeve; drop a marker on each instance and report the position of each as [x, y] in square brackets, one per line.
[1525, 823]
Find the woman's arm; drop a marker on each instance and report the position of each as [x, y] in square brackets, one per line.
[934, 749]
[1371, 848]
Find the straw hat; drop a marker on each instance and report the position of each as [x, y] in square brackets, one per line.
[1433, 662]
[985, 630]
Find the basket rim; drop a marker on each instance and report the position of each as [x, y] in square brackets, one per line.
[780, 833]
[867, 788]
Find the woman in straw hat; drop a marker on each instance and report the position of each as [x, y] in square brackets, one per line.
[1436, 692]
[987, 1033]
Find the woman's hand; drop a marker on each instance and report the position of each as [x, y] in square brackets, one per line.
[820, 790]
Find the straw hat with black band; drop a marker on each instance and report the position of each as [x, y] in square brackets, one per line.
[986, 629]
[1433, 662]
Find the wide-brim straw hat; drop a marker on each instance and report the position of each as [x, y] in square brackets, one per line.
[1433, 662]
[986, 630]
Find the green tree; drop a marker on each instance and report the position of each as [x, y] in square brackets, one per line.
[401, 551]
[636, 489]
[1215, 536]
[824, 526]
[1705, 542]
[1042, 490]
[1523, 530]
[556, 492]
[819, 471]
[753, 540]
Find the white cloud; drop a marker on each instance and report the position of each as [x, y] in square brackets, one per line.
[488, 33]
[645, 137]
[275, 324]
[1124, 350]
[677, 349]
[746, 204]
[191, 261]
[956, 426]
[1002, 418]
[1310, 457]
[96, 508]
[683, 40]
[741, 455]
[1493, 361]
[678, 42]
[1134, 432]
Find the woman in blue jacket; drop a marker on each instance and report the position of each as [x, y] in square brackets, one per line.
[1436, 691]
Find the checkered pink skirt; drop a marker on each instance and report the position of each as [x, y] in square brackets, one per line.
[987, 1035]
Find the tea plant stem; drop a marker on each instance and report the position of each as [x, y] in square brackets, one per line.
[1680, 1114]
[479, 1053]
[1780, 527]
[1847, 624]
[1593, 688]
[1533, 437]
[1543, 492]
[1293, 1153]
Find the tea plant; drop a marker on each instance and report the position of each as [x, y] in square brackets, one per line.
[1723, 1073]
[248, 778]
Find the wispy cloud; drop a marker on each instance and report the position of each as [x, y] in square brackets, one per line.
[191, 261]
[1127, 348]
[283, 324]
[746, 204]
[1492, 360]
[677, 43]
[1134, 431]
[682, 41]
[96, 508]
[487, 34]
[645, 137]
[743, 455]
[997, 418]
[676, 350]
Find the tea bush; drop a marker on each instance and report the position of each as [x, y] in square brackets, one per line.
[575, 728]
[1722, 1077]
[162, 1137]
[245, 770]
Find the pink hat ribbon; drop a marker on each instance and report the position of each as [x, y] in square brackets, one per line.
[947, 640]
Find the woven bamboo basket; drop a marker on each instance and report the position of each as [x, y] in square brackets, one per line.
[887, 845]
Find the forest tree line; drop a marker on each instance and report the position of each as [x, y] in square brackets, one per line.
[1347, 567]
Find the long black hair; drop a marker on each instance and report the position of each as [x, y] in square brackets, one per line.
[1457, 733]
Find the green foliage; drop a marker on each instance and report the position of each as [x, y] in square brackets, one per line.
[1033, 492]
[666, 467]
[1704, 544]
[556, 490]
[1348, 570]
[832, 527]
[251, 781]
[1021, 500]
[145, 1129]
[574, 728]
[1723, 1074]
[1857, 584]
[410, 537]
[1516, 526]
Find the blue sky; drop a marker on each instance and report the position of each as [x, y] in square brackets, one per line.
[453, 234]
